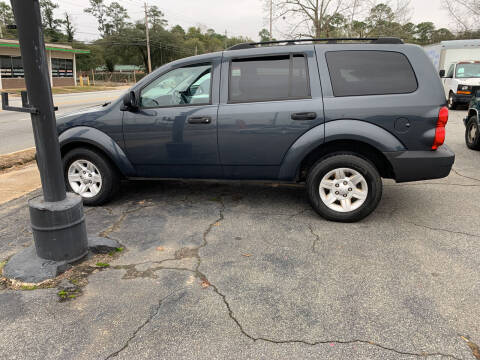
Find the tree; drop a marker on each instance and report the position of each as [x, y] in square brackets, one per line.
[424, 32]
[311, 17]
[359, 28]
[442, 35]
[116, 19]
[6, 18]
[264, 35]
[156, 17]
[98, 9]
[465, 13]
[6, 14]
[380, 20]
[50, 24]
[69, 28]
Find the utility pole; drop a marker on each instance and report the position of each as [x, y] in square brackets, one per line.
[226, 39]
[271, 19]
[148, 39]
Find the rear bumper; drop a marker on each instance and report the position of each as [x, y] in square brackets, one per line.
[421, 165]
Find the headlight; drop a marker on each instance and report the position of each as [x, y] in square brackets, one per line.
[464, 90]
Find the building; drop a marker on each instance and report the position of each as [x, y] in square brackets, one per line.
[61, 63]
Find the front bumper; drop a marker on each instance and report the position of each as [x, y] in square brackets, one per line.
[421, 165]
[462, 99]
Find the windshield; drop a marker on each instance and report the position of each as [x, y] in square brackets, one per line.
[468, 71]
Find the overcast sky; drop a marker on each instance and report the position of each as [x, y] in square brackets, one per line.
[237, 17]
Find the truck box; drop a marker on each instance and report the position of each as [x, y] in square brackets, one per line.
[448, 52]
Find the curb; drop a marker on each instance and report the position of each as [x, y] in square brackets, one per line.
[17, 158]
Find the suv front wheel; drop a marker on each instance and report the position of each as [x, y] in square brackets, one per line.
[452, 105]
[344, 187]
[90, 175]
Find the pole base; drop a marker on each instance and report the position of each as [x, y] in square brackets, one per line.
[59, 228]
[27, 267]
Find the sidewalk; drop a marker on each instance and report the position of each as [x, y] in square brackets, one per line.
[17, 182]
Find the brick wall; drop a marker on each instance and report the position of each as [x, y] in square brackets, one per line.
[13, 83]
[63, 81]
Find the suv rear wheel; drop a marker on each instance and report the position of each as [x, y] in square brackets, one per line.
[472, 134]
[344, 187]
[90, 175]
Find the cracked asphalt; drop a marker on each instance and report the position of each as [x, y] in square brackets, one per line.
[248, 271]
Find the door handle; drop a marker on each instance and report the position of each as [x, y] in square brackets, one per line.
[200, 120]
[304, 116]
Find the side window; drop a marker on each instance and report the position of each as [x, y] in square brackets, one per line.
[269, 78]
[182, 86]
[357, 73]
[450, 71]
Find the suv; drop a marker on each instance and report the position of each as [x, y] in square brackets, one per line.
[461, 82]
[338, 116]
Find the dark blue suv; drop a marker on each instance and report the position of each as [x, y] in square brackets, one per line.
[336, 115]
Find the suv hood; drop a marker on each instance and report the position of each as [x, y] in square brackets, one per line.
[84, 117]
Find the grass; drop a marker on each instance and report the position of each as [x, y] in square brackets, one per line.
[29, 287]
[72, 89]
[2, 264]
[102, 265]
[117, 250]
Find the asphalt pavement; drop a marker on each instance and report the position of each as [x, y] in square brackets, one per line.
[16, 128]
[215, 270]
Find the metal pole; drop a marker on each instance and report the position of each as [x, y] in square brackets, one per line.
[271, 19]
[37, 79]
[148, 39]
[57, 218]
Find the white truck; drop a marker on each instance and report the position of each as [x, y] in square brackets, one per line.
[458, 62]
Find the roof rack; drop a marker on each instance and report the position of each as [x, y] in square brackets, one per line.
[378, 40]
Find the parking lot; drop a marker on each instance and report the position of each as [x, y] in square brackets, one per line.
[216, 270]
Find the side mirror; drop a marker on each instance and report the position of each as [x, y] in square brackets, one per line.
[130, 101]
[442, 73]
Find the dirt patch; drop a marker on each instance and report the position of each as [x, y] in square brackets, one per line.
[13, 160]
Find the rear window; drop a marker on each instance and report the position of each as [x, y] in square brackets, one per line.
[269, 78]
[358, 73]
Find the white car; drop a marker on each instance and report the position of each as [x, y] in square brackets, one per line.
[461, 82]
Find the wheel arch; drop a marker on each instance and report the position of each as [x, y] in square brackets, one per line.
[363, 149]
[368, 140]
[473, 112]
[96, 140]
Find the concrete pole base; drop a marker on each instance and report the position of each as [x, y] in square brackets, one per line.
[27, 267]
[58, 228]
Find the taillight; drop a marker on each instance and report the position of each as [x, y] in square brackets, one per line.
[440, 129]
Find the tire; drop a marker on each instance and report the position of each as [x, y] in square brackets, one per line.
[472, 134]
[77, 160]
[452, 105]
[348, 166]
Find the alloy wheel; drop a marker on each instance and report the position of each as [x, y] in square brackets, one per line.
[343, 190]
[84, 178]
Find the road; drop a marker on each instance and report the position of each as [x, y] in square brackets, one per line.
[214, 270]
[16, 128]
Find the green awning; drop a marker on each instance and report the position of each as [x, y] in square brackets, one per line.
[76, 51]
